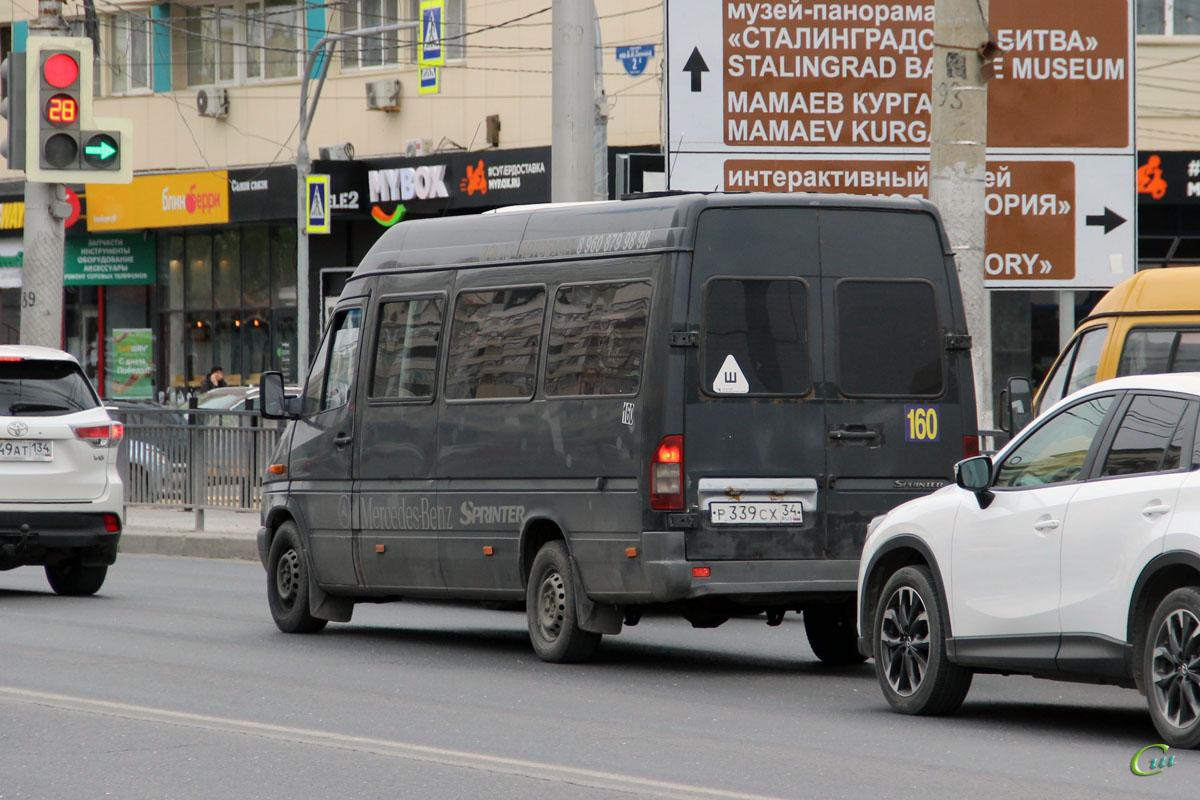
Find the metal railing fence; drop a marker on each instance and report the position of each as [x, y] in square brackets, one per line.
[194, 458]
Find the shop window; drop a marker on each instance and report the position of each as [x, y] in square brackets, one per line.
[227, 270]
[129, 52]
[256, 272]
[373, 51]
[198, 270]
[283, 266]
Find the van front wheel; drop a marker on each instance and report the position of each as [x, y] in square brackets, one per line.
[287, 583]
[550, 606]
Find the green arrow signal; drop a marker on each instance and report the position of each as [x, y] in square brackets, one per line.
[104, 150]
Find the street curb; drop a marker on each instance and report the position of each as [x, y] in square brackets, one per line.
[191, 544]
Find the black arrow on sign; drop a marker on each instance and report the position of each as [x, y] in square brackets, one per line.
[1109, 219]
[695, 65]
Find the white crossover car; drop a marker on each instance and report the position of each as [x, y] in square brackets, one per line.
[1073, 553]
[61, 499]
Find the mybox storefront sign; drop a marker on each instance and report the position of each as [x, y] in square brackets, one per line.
[168, 200]
[448, 181]
[1168, 177]
[118, 259]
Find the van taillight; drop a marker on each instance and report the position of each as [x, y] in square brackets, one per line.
[970, 446]
[666, 475]
[101, 435]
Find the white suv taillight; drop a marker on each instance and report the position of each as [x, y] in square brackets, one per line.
[666, 475]
[101, 435]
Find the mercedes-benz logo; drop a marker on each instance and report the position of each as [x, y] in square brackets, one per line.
[17, 428]
[344, 511]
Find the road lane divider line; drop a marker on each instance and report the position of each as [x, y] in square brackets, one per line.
[538, 770]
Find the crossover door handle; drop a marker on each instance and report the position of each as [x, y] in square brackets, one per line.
[1047, 525]
[1155, 510]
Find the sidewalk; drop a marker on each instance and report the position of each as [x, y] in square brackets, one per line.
[172, 532]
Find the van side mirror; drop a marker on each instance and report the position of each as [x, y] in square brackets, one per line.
[975, 475]
[273, 405]
[1019, 403]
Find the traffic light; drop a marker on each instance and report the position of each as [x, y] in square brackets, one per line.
[63, 142]
[12, 108]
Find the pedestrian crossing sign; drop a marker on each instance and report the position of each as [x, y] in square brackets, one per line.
[318, 215]
[433, 16]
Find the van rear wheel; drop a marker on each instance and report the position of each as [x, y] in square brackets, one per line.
[550, 607]
[833, 633]
[287, 583]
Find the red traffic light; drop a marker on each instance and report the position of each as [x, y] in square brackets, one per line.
[60, 70]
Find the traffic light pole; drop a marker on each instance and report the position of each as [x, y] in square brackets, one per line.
[45, 210]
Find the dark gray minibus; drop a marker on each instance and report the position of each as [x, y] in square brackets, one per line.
[692, 403]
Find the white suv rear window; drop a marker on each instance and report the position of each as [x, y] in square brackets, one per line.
[43, 388]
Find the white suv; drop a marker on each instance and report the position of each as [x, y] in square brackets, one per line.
[61, 499]
[1073, 554]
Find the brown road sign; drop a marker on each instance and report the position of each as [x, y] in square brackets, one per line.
[1030, 204]
[856, 74]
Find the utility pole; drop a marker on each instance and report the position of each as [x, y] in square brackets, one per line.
[572, 135]
[600, 115]
[321, 52]
[45, 210]
[958, 169]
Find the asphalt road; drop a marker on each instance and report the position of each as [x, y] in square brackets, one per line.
[174, 683]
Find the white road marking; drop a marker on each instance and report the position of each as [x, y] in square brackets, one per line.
[538, 770]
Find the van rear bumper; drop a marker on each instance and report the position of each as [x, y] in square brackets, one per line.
[670, 573]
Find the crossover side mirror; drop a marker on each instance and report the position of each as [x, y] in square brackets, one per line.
[975, 475]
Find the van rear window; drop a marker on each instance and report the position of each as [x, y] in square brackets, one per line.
[597, 337]
[888, 339]
[756, 337]
[494, 344]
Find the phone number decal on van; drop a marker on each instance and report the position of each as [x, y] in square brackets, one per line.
[920, 423]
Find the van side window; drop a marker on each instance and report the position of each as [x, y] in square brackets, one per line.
[762, 325]
[888, 339]
[597, 336]
[1085, 349]
[332, 374]
[1149, 350]
[494, 344]
[406, 348]
[1147, 437]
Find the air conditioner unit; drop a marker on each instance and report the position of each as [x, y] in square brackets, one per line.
[212, 102]
[418, 147]
[383, 95]
[336, 152]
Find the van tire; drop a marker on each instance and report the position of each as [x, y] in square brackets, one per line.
[912, 667]
[287, 583]
[550, 608]
[833, 633]
[72, 579]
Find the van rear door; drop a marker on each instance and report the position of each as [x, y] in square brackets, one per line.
[754, 432]
[894, 408]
